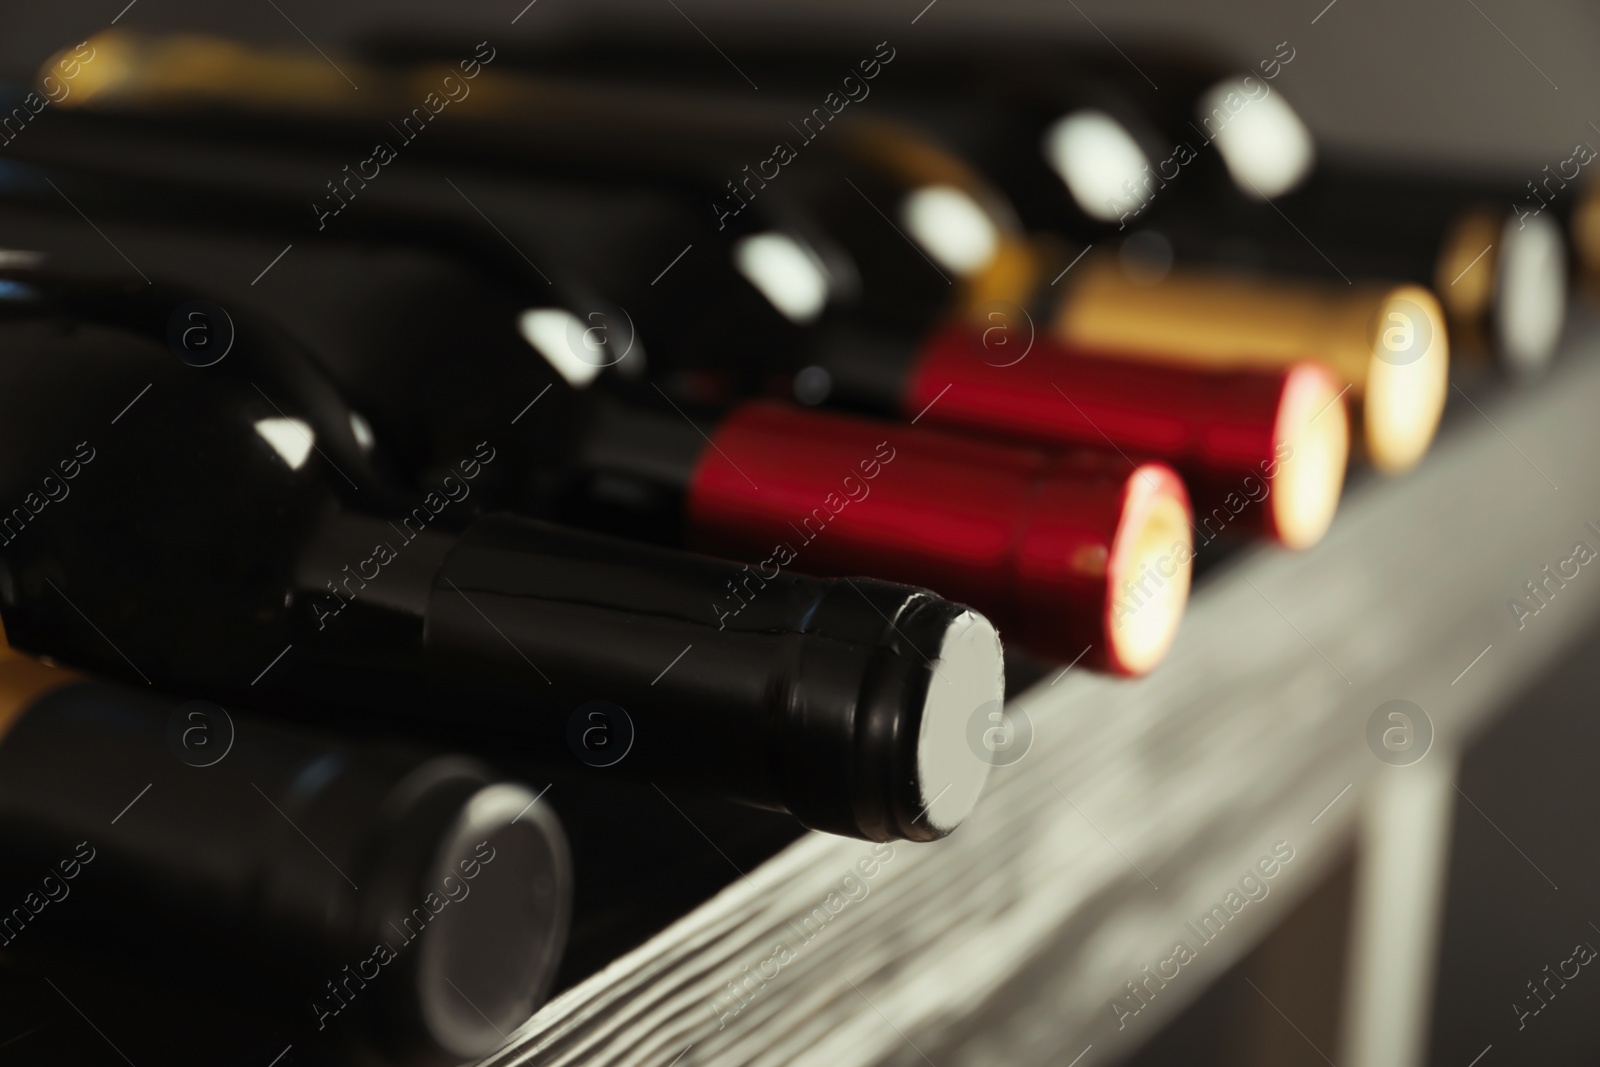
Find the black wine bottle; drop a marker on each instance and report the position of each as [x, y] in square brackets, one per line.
[168, 839]
[254, 553]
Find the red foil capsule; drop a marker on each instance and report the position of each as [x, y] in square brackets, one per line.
[1262, 451]
[1070, 554]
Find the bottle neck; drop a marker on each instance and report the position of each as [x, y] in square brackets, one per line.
[381, 568]
[795, 693]
[859, 368]
[631, 468]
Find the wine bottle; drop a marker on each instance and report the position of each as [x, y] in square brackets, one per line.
[169, 839]
[1389, 344]
[1052, 546]
[1235, 435]
[1501, 279]
[1498, 269]
[252, 553]
[1001, 381]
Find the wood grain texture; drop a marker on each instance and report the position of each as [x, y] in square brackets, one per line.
[1140, 804]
